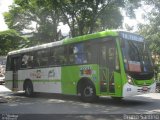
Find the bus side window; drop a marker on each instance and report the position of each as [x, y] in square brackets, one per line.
[52, 60]
[30, 61]
[90, 52]
[26, 61]
[79, 53]
[58, 56]
[62, 55]
[41, 59]
[8, 63]
[71, 54]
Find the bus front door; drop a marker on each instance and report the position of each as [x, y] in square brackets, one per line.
[15, 63]
[107, 67]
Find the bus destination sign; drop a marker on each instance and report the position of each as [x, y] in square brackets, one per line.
[131, 36]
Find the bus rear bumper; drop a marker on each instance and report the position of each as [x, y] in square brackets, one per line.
[130, 90]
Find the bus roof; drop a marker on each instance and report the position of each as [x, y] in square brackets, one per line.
[68, 41]
[91, 36]
[38, 47]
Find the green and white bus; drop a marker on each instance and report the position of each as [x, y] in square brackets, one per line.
[108, 63]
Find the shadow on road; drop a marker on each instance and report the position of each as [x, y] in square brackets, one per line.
[67, 104]
[133, 101]
[71, 117]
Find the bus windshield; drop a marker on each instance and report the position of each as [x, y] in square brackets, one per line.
[137, 59]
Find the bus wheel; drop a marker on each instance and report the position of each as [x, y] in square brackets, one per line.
[28, 88]
[87, 92]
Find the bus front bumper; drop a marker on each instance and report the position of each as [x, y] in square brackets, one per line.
[130, 90]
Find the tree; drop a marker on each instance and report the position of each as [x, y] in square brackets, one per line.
[11, 40]
[23, 13]
[89, 16]
[151, 30]
[82, 16]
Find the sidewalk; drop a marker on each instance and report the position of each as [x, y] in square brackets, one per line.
[4, 98]
[4, 89]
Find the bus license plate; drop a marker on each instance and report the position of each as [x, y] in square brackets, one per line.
[145, 88]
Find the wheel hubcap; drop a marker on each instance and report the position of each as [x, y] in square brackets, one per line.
[88, 91]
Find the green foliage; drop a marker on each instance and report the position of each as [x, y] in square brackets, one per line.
[89, 16]
[82, 16]
[152, 36]
[11, 40]
[44, 14]
[130, 6]
[151, 30]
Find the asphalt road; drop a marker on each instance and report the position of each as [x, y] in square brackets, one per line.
[64, 105]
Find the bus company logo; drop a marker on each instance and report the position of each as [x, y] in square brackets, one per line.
[36, 74]
[51, 73]
[86, 71]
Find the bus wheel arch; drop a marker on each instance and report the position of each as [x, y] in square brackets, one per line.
[28, 88]
[86, 90]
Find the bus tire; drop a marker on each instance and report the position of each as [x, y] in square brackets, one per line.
[28, 88]
[87, 92]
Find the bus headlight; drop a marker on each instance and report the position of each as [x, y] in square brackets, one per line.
[130, 79]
